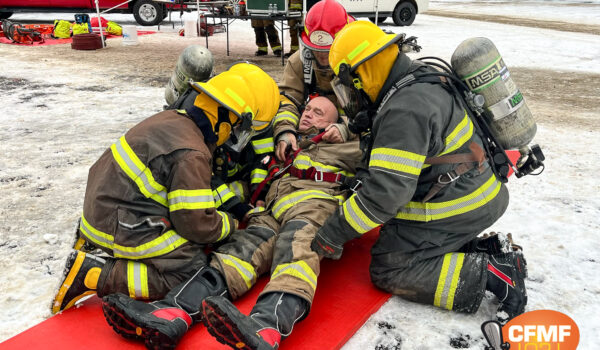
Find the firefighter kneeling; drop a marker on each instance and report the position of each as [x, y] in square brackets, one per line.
[430, 212]
[149, 205]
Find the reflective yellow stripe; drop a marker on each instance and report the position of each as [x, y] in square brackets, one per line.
[283, 204]
[234, 170]
[397, 160]
[222, 194]
[245, 269]
[448, 280]
[225, 226]
[298, 269]
[258, 175]
[138, 172]
[429, 211]
[356, 217]
[137, 280]
[458, 137]
[263, 145]
[286, 115]
[256, 210]
[237, 188]
[191, 199]
[304, 162]
[239, 100]
[358, 49]
[161, 245]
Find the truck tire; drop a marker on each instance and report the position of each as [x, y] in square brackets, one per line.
[379, 19]
[148, 12]
[5, 15]
[404, 14]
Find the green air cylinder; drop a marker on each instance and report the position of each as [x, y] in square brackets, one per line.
[479, 64]
[195, 63]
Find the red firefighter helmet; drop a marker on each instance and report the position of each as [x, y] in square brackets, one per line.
[322, 22]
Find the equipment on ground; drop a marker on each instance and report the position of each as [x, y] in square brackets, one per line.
[26, 33]
[194, 63]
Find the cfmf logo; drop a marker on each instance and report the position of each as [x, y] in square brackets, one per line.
[534, 330]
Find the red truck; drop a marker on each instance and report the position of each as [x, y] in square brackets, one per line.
[146, 12]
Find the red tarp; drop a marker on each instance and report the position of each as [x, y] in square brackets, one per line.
[344, 301]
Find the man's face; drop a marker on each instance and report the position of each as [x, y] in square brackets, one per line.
[320, 112]
[322, 58]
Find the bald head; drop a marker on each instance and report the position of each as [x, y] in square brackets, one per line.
[320, 112]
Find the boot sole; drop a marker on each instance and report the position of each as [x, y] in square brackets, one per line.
[220, 325]
[125, 326]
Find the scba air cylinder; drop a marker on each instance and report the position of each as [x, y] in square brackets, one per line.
[195, 63]
[479, 64]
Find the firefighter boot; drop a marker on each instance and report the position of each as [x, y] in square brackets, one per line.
[506, 279]
[162, 323]
[272, 318]
[81, 277]
[495, 243]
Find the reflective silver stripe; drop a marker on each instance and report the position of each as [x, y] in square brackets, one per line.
[100, 238]
[222, 194]
[263, 145]
[356, 217]
[283, 204]
[396, 160]
[157, 247]
[429, 211]
[191, 199]
[137, 280]
[138, 171]
[245, 269]
[161, 245]
[297, 269]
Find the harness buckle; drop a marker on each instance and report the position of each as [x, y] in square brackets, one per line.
[318, 176]
[452, 176]
[282, 170]
[357, 184]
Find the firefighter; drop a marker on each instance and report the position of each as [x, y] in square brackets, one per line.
[149, 203]
[294, 5]
[265, 29]
[307, 72]
[428, 184]
[236, 172]
[277, 239]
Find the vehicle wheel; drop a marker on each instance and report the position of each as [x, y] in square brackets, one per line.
[148, 12]
[5, 15]
[379, 19]
[404, 14]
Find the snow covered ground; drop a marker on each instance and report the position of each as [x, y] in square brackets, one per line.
[53, 130]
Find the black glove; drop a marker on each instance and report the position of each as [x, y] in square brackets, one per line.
[325, 248]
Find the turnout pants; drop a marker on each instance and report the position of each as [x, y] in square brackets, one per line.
[264, 29]
[424, 262]
[151, 278]
[281, 246]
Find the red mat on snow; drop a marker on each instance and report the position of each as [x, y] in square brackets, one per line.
[344, 301]
[51, 41]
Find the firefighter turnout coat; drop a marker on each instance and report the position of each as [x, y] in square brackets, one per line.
[416, 255]
[149, 204]
[279, 238]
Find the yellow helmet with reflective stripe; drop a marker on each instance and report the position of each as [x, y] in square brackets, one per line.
[357, 42]
[266, 91]
[249, 94]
